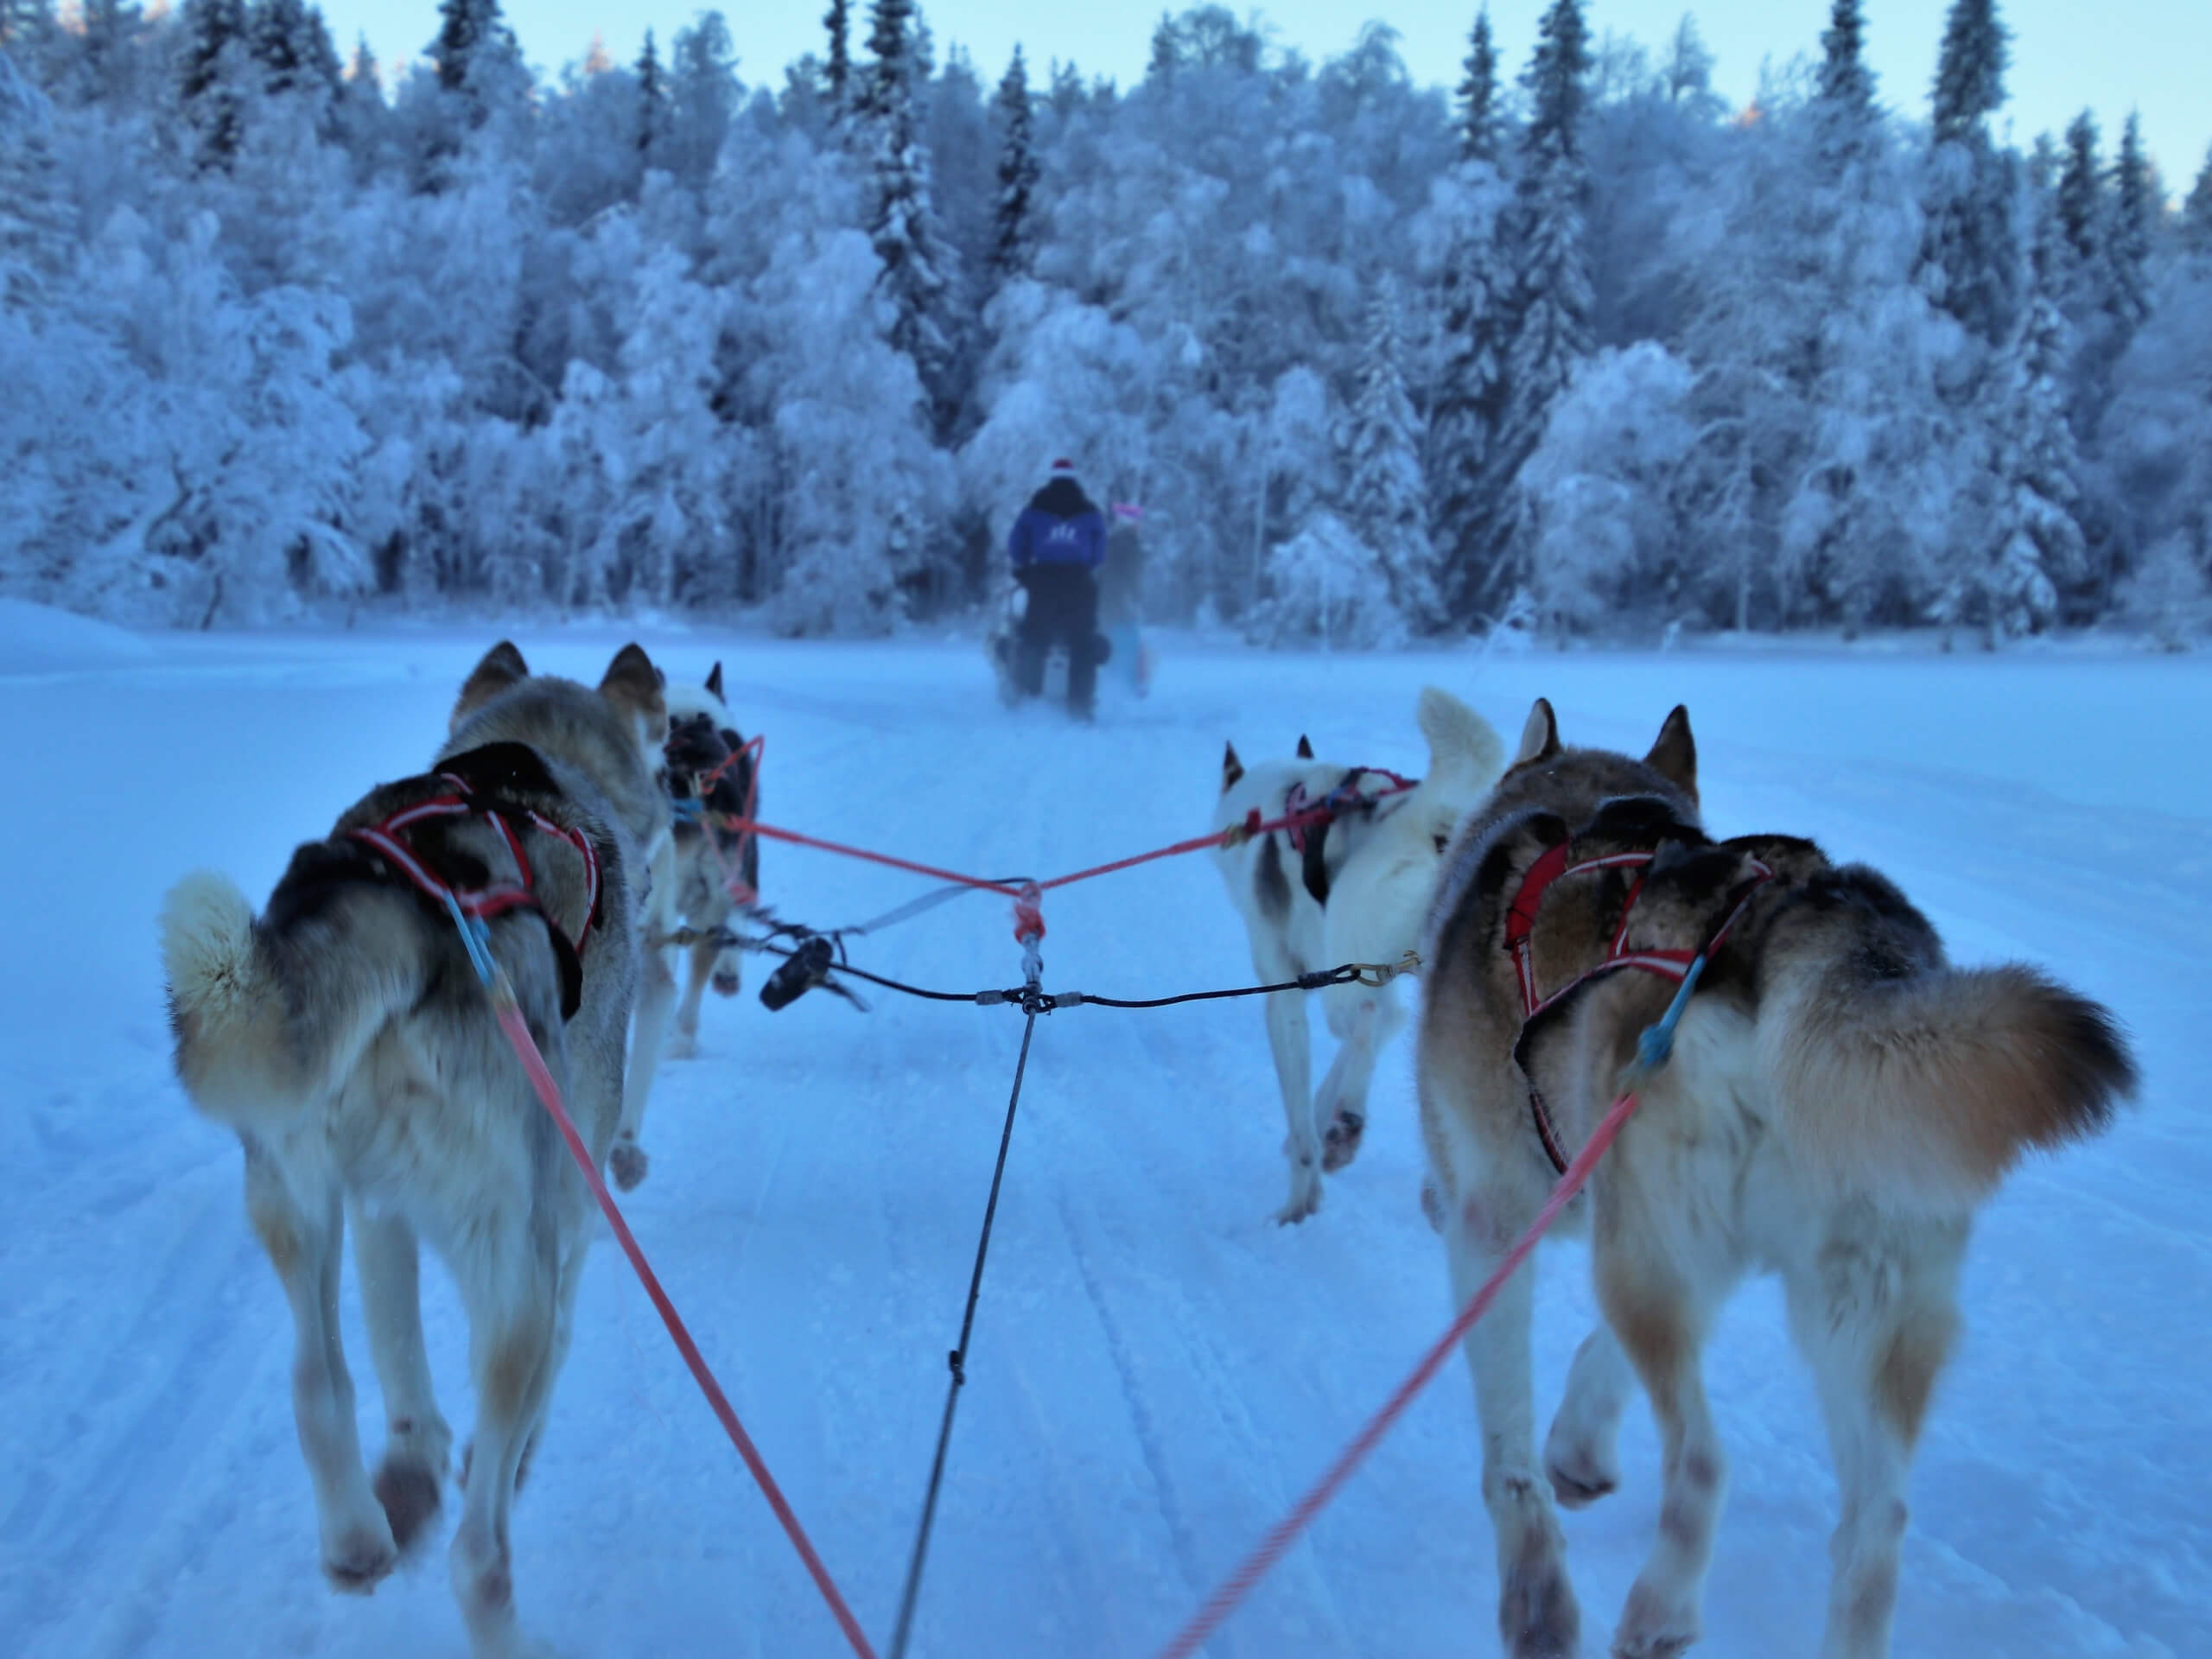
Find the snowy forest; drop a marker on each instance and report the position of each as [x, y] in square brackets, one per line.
[1575, 349]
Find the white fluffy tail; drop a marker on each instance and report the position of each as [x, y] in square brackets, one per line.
[254, 1043]
[1928, 1089]
[1465, 751]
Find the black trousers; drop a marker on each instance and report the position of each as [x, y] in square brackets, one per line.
[1063, 610]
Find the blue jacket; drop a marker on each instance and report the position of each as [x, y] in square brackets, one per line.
[1060, 525]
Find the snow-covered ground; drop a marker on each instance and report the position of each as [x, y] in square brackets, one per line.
[1158, 1369]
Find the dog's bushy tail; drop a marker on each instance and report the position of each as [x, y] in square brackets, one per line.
[1928, 1089]
[1464, 751]
[263, 1026]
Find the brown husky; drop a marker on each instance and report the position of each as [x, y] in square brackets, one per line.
[342, 1034]
[1839, 1101]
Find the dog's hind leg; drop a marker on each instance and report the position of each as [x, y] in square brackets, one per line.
[1581, 1454]
[1537, 1613]
[1876, 1330]
[510, 1283]
[305, 1242]
[410, 1480]
[1661, 1325]
[656, 992]
[1289, 1038]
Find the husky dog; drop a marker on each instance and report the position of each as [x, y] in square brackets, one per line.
[715, 866]
[1839, 1101]
[345, 1037]
[694, 879]
[1351, 888]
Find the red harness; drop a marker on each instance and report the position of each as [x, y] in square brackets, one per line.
[389, 837]
[1302, 811]
[1520, 926]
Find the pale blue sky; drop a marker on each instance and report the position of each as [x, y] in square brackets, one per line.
[2152, 55]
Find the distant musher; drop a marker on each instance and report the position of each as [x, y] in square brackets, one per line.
[1056, 545]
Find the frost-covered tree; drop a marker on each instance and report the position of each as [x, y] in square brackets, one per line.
[837, 62]
[2020, 542]
[2134, 211]
[1598, 502]
[2197, 211]
[1551, 300]
[1012, 229]
[1478, 94]
[919, 273]
[2080, 204]
[1970, 262]
[213, 81]
[652, 105]
[1385, 499]
[1326, 586]
[1846, 122]
[35, 235]
[702, 98]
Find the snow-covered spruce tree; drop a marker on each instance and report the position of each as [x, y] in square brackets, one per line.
[1970, 259]
[703, 98]
[1326, 586]
[920, 275]
[1551, 322]
[652, 105]
[1383, 497]
[1847, 126]
[212, 79]
[1013, 232]
[1472, 309]
[2133, 214]
[2019, 543]
[475, 54]
[2080, 205]
[34, 232]
[2196, 212]
[1478, 94]
[837, 63]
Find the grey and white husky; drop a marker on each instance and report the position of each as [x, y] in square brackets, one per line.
[343, 1035]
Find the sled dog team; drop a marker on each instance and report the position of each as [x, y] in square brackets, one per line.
[1839, 1102]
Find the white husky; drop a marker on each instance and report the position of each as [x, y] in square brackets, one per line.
[1353, 887]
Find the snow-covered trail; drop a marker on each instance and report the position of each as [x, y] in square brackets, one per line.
[1158, 1369]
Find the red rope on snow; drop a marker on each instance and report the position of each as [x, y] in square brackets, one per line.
[1271, 1548]
[533, 1062]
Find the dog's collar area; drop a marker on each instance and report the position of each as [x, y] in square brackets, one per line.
[1677, 965]
[393, 840]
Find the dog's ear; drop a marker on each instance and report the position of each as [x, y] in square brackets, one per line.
[1673, 756]
[502, 667]
[1231, 768]
[632, 684]
[715, 682]
[1540, 737]
[1304, 748]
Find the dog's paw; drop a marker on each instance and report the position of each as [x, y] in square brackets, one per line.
[628, 1162]
[683, 1045]
[410, 1492]
[725, 984]
[1579, 1477]
[1658, 1622]
[1340, 1142]
[1302, 1203]
[357, 1558]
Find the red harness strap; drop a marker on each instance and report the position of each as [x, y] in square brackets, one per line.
[1520, 929]
[389, 837]
[1303, 811]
